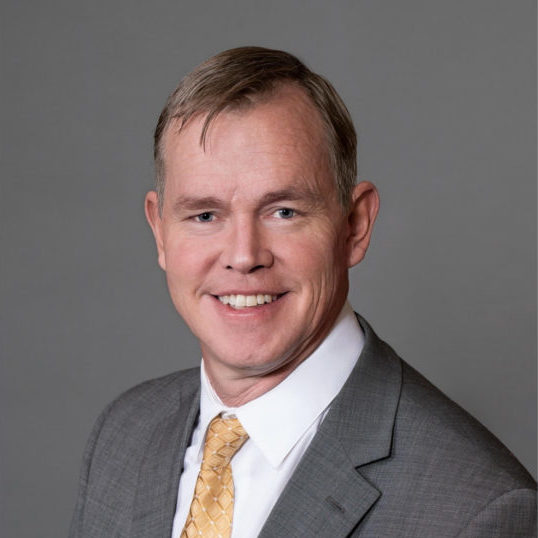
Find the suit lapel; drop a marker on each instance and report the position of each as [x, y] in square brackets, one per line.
[324, 498]
[158, 479]
[327, 496]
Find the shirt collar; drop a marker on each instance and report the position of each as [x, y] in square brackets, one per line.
[295, 403]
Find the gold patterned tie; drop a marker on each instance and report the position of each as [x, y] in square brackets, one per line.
[211, 509]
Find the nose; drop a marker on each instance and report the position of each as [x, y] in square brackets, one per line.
[247, 248]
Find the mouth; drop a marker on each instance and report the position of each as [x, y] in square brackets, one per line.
[239, 301]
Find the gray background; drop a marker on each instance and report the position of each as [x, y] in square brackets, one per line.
[443, 96]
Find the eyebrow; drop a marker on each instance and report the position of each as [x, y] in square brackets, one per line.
[193, 203]
[291, 194]
[196, 202]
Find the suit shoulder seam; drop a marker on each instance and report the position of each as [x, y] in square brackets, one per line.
[491, 502]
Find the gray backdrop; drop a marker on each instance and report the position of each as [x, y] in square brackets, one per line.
[443, 96]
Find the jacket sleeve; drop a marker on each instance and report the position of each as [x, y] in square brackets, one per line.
[512, 514]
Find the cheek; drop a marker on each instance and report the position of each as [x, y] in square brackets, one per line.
[187, 266]
[323, 260]
[187, 257]
[316, 260]
[319, 245]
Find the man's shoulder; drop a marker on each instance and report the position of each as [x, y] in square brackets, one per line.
[157, 396]
[138, 439]
[431, 431]
[443, 468]
[138, 410]
[167, 388]
[437, 433]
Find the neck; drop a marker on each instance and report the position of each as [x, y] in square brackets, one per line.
[237, 390]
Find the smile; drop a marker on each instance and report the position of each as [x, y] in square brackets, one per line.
[247, 301]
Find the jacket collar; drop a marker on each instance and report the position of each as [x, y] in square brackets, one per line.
[362, 416]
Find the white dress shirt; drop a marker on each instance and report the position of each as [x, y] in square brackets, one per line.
[280, 423]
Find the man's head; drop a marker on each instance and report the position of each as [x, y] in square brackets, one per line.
[252, 232]
[244, 76]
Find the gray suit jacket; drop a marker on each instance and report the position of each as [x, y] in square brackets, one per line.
[394, 457]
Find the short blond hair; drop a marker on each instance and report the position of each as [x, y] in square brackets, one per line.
[234, 78]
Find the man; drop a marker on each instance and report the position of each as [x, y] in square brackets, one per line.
[301, 422]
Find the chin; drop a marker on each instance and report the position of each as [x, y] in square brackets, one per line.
[249, 362]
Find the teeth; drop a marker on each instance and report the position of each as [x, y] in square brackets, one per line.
[244, 301]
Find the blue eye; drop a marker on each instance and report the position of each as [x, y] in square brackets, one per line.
[206, 216]
[286, 213]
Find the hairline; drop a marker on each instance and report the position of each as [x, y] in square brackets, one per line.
[249, 102]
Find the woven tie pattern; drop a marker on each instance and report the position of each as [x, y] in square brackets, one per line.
[211, 509]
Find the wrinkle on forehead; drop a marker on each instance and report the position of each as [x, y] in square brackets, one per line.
[285, 96]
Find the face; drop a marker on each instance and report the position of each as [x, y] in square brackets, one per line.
[253, 240]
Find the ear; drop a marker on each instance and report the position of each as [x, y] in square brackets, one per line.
[361, 217]
[151, 207]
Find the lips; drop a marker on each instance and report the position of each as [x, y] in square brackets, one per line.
[247, 301]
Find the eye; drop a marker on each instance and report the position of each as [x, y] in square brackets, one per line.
[285, 213]
[206, 216]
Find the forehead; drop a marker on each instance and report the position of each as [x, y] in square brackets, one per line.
[279, 137]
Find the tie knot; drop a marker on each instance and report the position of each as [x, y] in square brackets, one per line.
[225, 436]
